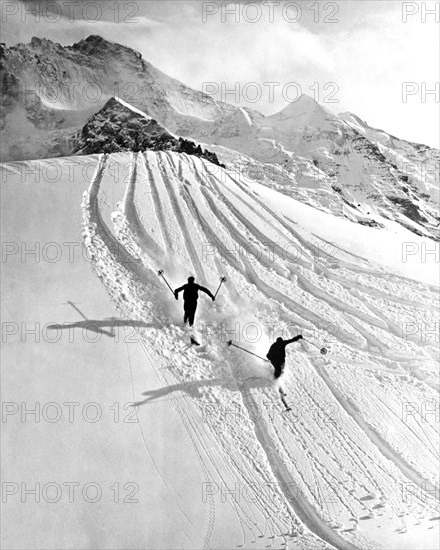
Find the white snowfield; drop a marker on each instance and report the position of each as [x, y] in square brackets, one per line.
[217, 461]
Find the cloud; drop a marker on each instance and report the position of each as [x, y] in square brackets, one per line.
[376, 59]
[231, 51]
[67, 22]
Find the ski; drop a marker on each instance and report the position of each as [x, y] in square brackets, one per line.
[194, 341]
[283, 395]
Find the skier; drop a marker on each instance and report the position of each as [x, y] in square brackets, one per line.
[277, 356]
[190, 297]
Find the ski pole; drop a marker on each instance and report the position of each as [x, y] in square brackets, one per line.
[222, 280]
[160, 273]
[322, 350]
[229, 343]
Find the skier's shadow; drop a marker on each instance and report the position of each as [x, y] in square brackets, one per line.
[192, 388]
[99, 325]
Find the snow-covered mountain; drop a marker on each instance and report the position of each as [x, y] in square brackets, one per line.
[48, 88]
[119, 127]
[308, 215]
[336, 163]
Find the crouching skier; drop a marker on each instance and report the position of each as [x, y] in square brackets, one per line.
[277, 356]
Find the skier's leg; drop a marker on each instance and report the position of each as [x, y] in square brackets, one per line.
[283, 395]
[285, 403]
[186, 313]
[279, 369]
[191, 315]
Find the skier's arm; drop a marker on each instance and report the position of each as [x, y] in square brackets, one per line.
[176, 292]
[206, 291]
[294, 339]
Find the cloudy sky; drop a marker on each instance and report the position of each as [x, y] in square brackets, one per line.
[359, 56]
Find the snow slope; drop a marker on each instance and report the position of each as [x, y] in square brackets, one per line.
[355, 463]
[52, 356]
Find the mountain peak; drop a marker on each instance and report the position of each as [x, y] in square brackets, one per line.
[304, 104]
[116, 101]
[92, 39]
[304, 111]
[95, 43]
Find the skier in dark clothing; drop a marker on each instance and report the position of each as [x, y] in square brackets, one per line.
[277, 354]
[190, 297]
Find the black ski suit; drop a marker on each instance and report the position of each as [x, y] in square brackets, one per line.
[277, 354]
[190, 297]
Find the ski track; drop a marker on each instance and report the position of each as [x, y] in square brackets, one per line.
[380, 443]
[181, 223]
[94, 222]
[192, 428]
[131, 212]
[193, 208]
